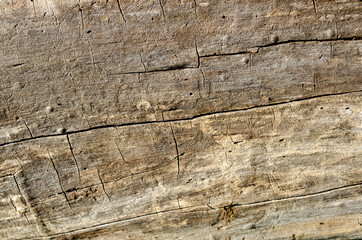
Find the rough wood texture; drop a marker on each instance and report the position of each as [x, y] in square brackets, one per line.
[180, 119]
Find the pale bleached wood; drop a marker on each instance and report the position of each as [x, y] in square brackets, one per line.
[264, 154]
[313, 217]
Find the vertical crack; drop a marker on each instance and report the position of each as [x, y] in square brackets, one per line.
[16, 210]
[75, 160]
[144, 66]
[31, 134]
[17, 185]
[124, 160]
[21, 194]
[60, 182]
[315, 7]
[120, 152]
[177, 152]
[11, 201]
[331, 47]
[197, 53]
[195, 7]
[33, 7]
[81, 17]
[201, 82]
[120, 10]
[104, 189]
[163, 10]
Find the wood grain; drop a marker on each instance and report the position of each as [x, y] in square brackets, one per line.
[245, 157]
[180, 119]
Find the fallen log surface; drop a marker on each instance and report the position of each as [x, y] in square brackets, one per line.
[180, 119]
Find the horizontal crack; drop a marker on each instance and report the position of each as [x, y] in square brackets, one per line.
[185, 66]
[17, 65]
[299, 196]
[180, 120]
[99, 226]
[166, 69]
[110, 223]
[281, 43]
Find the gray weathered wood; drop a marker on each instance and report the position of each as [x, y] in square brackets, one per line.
[274, 74]
[180, 119]
[59, 59]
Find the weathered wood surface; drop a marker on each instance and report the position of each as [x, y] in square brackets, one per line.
[63, 62]
[180, 119]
